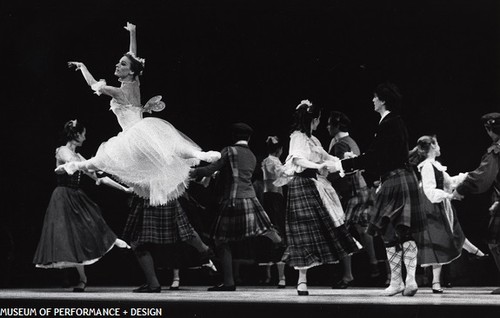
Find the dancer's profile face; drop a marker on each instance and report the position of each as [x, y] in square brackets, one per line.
[379, 105]
[80, 137]
[122, 69]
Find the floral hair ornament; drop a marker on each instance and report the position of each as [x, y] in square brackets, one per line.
[272, 139]
[305, 102]
[73, 122]
[138, 59]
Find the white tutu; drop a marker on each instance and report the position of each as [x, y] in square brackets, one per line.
[152, 157]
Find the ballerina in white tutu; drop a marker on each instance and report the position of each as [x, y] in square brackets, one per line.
[149, 155]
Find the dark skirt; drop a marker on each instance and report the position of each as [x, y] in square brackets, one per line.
[357, 210]
[275, 207]
[312, 238]
[74, 231]
[441, 241]
[398, 208]
[163, 224]
[239, 219]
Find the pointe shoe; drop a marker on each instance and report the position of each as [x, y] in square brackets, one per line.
[146, 289]
[210, 156]
[410, 290]
[121, 244]
[302, 292]
[80, 288]
[437, 290]
[393, 290]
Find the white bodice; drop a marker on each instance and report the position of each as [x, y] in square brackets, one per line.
[127, 115]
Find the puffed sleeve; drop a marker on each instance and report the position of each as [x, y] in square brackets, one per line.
[299, 147]
[429, 184]
[98, 87]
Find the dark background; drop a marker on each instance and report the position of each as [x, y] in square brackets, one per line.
[217, 62]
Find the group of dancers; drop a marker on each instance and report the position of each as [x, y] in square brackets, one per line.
[309, 205]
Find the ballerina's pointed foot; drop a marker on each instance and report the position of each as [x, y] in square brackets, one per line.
[121, 244]
[210, 156]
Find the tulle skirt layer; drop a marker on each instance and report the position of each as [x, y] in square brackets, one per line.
[152, 157]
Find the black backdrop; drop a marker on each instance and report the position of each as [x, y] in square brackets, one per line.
[217, 62]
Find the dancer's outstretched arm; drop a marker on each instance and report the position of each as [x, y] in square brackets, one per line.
[133, 38]
[79, 66]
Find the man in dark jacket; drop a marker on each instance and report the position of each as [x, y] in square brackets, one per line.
[484, 178]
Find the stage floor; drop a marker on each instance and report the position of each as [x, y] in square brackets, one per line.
[195, 301]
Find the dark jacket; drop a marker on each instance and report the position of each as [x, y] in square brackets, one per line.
[239, 181]
[387, 152]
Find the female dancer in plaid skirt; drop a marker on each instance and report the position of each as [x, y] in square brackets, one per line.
[443, 238]
[397, 215]
[74, 233]
[315, 230]
[149, 155]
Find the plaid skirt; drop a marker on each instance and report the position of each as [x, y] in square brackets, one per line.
[239, 219]
[357, 210]
[163, 224]
[398, 207]
[311, 236]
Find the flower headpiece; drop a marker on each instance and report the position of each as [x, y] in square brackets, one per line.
[305, 102]
[138, 59]
[73, 122]
[273, 139]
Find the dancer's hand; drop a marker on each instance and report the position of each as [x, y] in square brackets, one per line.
[76, 65]
[129, 27]
[349, 154]
[456, 196]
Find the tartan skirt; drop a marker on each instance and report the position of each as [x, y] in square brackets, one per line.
[311, 236]
[357, 210]
[240, 218]
[163, 224]
[398, 207]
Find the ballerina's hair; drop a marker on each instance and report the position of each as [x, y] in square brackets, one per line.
[420, 151]
[71, 130]
[389, 93]
[136, 63]
[273, 144]
[305, 112]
